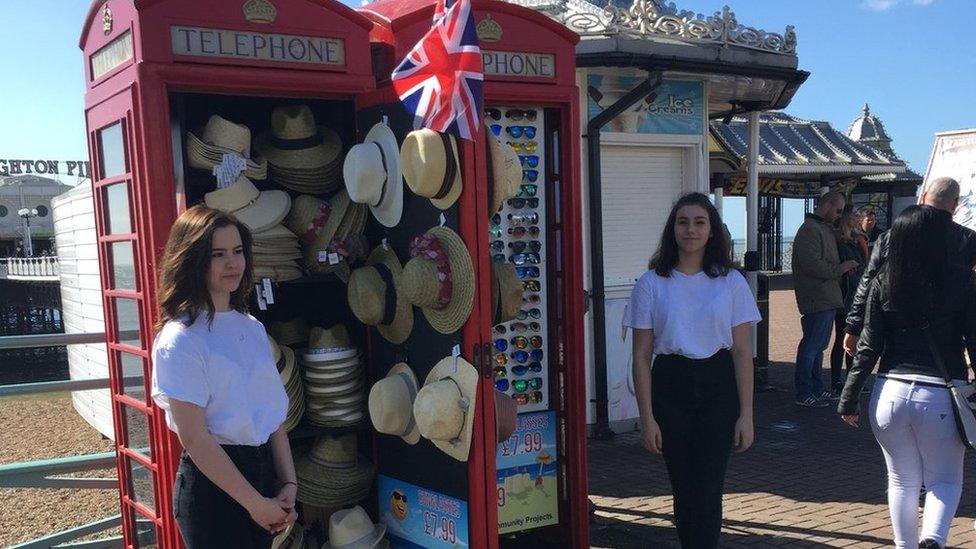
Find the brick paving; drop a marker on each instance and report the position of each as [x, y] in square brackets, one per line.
[809, 482]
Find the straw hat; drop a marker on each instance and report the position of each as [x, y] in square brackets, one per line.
[444, 408]
[332, 474]
[219, 137]
[372, 175]
[278, 273]
[391, 404]
[275, 233]
[259, 210]
[375, 299]
[295, 142]
[312, 219]
[330, 346]
[289, 333]
[275, 350]
[431, 167]
[421, 283]
[506, 172]
[353, 529]
[507, 290]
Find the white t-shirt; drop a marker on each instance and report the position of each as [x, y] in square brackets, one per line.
[691, 315]
[226, 368]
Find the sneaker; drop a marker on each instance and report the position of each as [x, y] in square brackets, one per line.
[812, 402]
[929, 544]
[829, 395]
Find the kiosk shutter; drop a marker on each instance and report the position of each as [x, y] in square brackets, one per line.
[640, 184]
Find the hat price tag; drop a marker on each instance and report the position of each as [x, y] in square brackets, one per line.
[443, 220]
[268, 290]
[259, 294]
[323, 256]
[229, 169]
[385, 244]
[334, 258]
[455, 353]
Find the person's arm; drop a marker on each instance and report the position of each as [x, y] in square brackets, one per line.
[643, 350]
[213, 461]
[744, 381]
[869, 347]
[969, 329]
[284, 470]
[808, 256]
[855, 318]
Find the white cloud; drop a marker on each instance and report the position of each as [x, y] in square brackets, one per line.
[879, 5]
[923, 2]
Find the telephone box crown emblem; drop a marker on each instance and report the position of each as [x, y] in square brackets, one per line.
[106, 19]
[260, 11]
[489, 30]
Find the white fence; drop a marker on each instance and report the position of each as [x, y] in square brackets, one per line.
[30, 268]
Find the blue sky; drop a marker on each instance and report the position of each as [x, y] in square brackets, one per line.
[911, 60]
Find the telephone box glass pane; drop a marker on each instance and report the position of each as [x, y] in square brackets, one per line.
[127, 321]
[132, 367]
[117, 220]
[112, 151]
[123, 266]
[141, 485]
[137, 430]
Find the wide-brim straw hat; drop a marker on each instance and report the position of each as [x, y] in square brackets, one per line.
[350, 371]
[315, 220]
[420, 285]
[431, 166]
[505, 172]
[372, 175]
[353, 529]
[274, 234]
[283, 272]
[291, 332]
[391, 404]
[374, 296]
[259, 210]
[445, 406]
[296, 143]
[330, 346]
[326, 391]
[507, 290]
[287, 362]
[332, 474]
[219, 137]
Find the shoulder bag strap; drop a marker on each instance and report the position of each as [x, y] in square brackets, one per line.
[936, 355]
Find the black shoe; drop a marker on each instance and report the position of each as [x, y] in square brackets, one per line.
[929, 544]
[811, 402]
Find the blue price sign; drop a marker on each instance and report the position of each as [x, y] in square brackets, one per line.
[417, 517]
[527, 474]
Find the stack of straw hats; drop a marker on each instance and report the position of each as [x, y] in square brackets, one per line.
[333, 475]
[219, 137]
[292, 380]
[293, 333]
[320, 223]
[353, 529]
[276, 252]
[332, 368]
[302, 156]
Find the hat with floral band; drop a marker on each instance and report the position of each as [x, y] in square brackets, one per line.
[440, 279]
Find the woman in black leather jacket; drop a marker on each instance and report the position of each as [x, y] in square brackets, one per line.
[918, 290]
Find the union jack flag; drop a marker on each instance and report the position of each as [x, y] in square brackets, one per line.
[440, 80]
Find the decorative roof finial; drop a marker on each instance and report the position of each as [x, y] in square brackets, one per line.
[867, 110]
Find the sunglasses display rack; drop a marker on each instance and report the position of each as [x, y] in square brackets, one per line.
[518, 236]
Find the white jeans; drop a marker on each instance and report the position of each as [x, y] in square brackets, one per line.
[917, 432]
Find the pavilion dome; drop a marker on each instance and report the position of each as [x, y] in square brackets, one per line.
[869, 130]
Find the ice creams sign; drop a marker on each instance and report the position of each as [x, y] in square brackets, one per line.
[257, 46]
[676, 107]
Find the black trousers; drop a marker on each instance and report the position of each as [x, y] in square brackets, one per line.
[207, 516]
[838, 357]
[696, 404]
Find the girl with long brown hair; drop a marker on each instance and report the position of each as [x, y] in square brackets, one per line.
[215, 377]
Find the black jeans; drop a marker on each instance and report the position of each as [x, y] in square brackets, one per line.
[696, 404]
[838, 357]
[207, 516]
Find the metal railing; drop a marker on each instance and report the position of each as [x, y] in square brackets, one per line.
[54, 473]
[32, 268]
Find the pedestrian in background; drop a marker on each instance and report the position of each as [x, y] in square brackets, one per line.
[817, 270]
[693, 312]
[921, 309]
[849, 240]
[869, 226]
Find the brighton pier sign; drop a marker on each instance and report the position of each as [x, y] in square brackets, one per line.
[76, 168]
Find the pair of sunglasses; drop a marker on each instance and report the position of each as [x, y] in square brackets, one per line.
[523, 385]
[520, 327]
[522, 259]
[498, 258]
[494, 114]
[501, 345]
[517, 114]
[531, 176]
[521, 342]
[522, 231]
[532, 161]
[519, 203]
[531, 218]
[522, 369]
[519, 246]
[527, 272]
[532, 299]
[519, 131]
[500, 371]
[497, 245]
[531, 286]
[523, 356]
[527, 147]
[533, 312]
[495, 231]
[496, 129]
[522, 399]
[501, 359]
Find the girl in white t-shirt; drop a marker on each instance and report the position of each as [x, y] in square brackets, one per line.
[692, 311]
[215, 377]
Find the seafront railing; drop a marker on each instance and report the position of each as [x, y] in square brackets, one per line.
[30, 268]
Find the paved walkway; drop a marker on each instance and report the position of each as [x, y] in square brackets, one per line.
[809, 482]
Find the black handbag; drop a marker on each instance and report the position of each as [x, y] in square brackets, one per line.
[963, 407]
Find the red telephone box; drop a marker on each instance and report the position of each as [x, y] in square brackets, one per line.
[153, 69]
[156, 69]
[531, 102]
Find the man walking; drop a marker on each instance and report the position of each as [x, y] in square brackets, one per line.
[941, 194]
[817, 270]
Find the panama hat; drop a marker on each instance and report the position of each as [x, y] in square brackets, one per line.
[332, 474]
[259, 210]
[505, 172]
[219, 137]
[372, 175]
[507, 290]
[353, 529]
[444, 408]
[329, 345]
[295, 142]
[391, 404]
[431, 167]
[374, 296]
[424, 279]
[290, 332]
